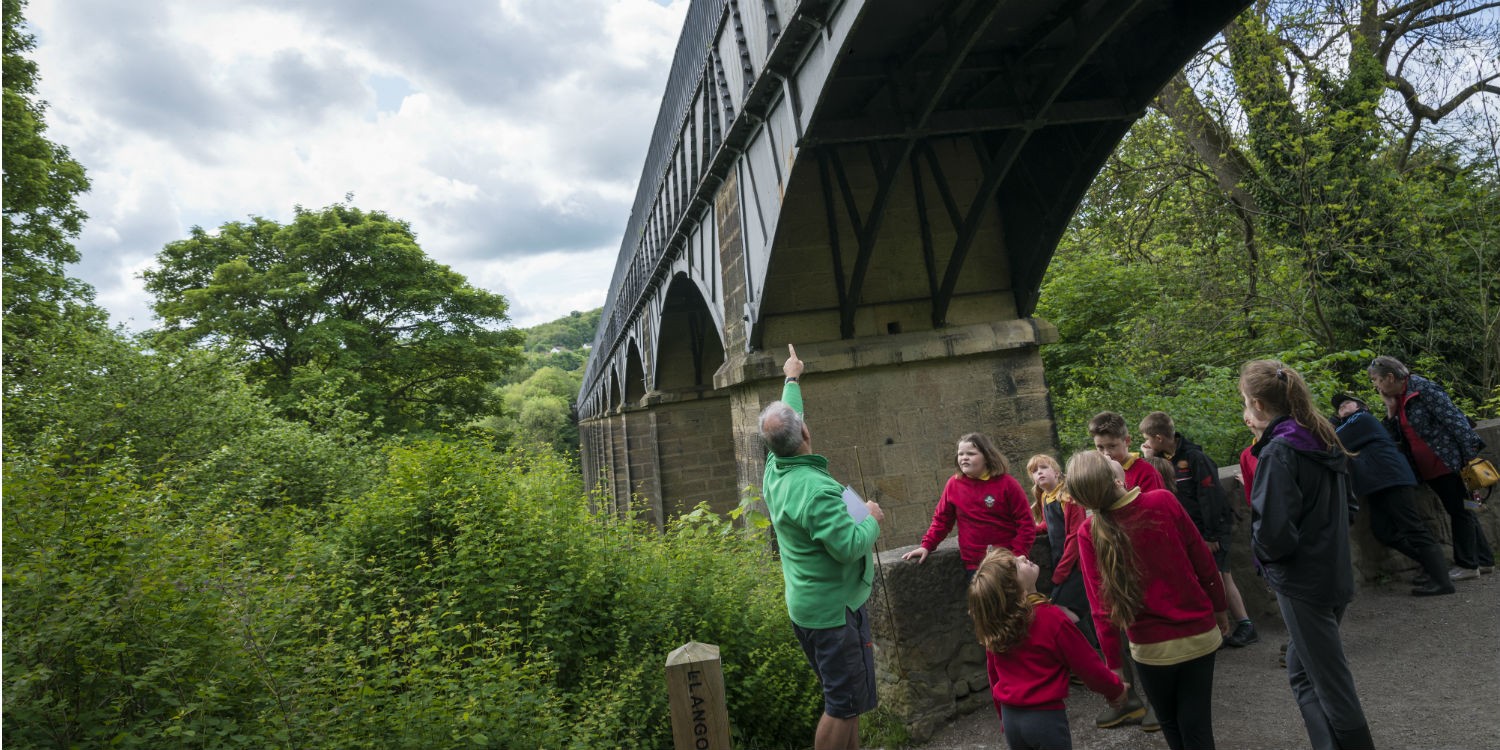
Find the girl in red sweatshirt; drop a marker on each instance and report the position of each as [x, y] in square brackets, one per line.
[985, 501]
[1030, 647]
[1147, 570]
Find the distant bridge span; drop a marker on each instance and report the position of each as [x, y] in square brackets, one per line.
[882, 183]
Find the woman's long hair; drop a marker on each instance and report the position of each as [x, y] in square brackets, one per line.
[1282, 391]
[994, 461]
[1038, 502]
[997, 602]
[1091, 483]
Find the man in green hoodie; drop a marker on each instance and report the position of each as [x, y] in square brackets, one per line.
[826, 561]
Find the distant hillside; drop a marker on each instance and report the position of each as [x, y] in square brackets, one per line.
[570, 336]
[574, 331]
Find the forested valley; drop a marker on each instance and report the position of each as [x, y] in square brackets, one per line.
[333, 499]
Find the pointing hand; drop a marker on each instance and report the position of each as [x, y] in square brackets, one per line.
[793, 366]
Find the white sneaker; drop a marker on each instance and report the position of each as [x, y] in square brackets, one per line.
[1463, 574]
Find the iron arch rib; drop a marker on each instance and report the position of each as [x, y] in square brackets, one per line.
[1001, 110]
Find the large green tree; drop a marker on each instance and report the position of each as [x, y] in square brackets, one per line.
[1352, 141]
[340, 302]
[41, 213]
[1320, 185]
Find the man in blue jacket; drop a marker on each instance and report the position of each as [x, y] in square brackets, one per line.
[1386, 486]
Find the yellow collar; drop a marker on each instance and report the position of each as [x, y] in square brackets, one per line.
[1126, 499]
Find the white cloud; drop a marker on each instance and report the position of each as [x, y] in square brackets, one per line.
[510, 135]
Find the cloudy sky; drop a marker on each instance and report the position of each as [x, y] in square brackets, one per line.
[509, 133]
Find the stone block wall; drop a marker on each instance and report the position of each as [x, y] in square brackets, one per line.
[928, 666]
[695, 444]
[887, 411]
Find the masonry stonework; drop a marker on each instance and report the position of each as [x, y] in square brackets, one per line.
[732, 263]
[697, 457]
[887, 411]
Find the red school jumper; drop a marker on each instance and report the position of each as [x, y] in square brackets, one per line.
[989, 511]
[1033, 674]
[1181, 585]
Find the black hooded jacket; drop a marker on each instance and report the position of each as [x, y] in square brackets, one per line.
[1199, 492]
[1300, 515]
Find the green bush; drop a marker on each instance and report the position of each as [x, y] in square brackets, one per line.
[185, 568]
[465, 546]
[115, 618]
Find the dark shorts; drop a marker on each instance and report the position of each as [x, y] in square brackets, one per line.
[844, 660]
[1221, 558]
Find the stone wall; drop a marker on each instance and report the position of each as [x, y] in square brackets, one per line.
[930, 669]
[887, 411]
[695, 440]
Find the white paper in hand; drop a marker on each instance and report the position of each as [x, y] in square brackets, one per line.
[857, 509]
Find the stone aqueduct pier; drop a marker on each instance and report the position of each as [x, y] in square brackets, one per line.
[882, 183]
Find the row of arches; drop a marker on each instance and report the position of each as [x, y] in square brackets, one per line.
[684, 348]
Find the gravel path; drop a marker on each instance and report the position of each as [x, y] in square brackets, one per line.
[1428, 673]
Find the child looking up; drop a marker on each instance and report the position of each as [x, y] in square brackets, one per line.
[1299, 529]
[1030, 648]
[1148, 572]
[985, 501]
[1049, 492]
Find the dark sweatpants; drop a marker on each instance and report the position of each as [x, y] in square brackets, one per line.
[1036, 730]
[1321, 681]
[1396, 523]
[1182, 695]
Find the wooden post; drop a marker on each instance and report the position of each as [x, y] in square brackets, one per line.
[695, 690]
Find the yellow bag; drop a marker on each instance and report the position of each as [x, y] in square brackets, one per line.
[1479, 473]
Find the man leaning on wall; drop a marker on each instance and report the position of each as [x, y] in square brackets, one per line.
[826, 561]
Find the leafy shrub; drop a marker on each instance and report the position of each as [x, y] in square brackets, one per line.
[114, 619]
[465, 545]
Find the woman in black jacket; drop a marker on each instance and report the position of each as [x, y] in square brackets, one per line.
[1299, 530]
[1385, 485]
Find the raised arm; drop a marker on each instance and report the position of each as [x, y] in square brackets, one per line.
[791, 390]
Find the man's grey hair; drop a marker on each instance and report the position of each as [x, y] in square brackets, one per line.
[781, 428]
[1385, 365]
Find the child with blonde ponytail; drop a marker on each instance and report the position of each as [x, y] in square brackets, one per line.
[1148, 571]
[1299, 531]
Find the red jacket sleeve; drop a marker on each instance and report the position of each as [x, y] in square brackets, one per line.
[1202, 558]
[1073, 515]
[1084, 662]
[1247, 470]
[992, 668]
[943, 518]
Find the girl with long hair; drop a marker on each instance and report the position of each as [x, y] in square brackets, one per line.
[1299, 530]
[1148, 572]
